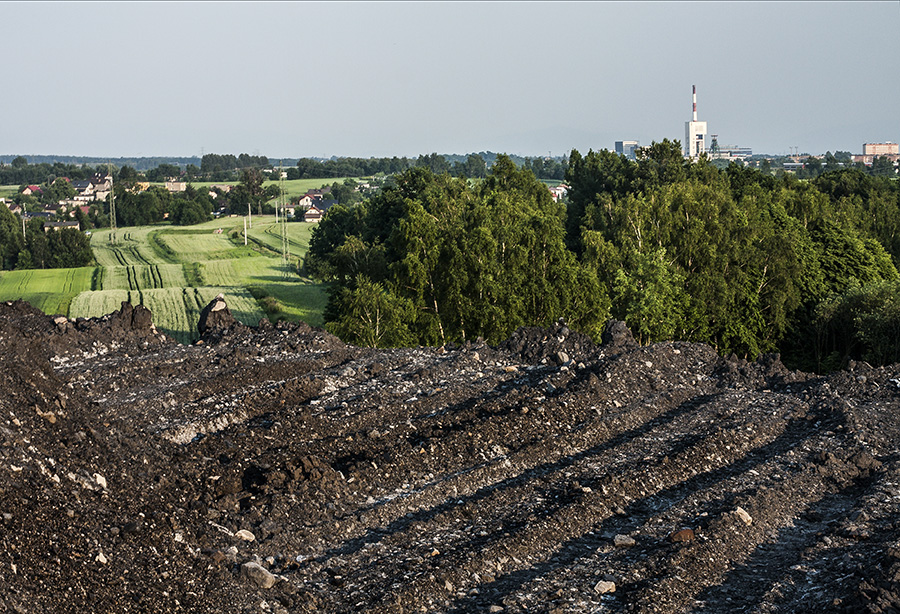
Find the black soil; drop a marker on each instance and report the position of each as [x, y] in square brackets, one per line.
[276, 469]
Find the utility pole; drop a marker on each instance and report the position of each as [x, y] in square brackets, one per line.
[285, 244]
[112, 207]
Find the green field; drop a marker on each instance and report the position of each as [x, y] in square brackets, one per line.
[8, 191]
[269, 235]
[50, 290]
[176, 271]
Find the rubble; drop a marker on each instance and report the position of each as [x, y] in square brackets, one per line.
[278, 469]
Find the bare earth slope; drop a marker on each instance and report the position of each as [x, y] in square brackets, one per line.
[279, 470]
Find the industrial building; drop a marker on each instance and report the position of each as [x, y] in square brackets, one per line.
[728, 152]
[694, 134]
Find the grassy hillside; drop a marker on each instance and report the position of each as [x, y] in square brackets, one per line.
[8, 191]
[50, 290]
[176, 271]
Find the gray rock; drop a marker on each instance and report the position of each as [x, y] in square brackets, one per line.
[623, 541]
[215, 316]
[617, 334]
[258, 575]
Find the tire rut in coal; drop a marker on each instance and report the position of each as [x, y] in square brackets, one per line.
[574, 549]
[521, 487]
[524, 487]
[744, 586]
[522, 479]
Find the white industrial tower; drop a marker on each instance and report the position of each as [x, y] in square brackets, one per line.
[694, 134]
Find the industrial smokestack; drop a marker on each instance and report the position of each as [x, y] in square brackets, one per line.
[695, 102]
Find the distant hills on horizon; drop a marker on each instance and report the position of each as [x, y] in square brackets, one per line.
[149, 162]
[144, 163]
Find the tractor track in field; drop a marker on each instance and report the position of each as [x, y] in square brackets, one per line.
[276, 469]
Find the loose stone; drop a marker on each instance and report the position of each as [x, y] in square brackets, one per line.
[258, 575]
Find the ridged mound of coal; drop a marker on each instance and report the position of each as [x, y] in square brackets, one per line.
[557, 344]
[277, 469]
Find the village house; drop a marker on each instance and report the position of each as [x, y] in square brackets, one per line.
[217, 188]
[85, 210]
[84, 190]
[97, 187]
[315, 212]
[32, 190]
[312, 215]
[56, 226]
[559, 191]
[318, 193]
[176, 186]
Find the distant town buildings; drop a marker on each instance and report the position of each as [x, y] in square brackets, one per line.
[559, 192]
[626, 148]
[96, 188]
[888, 150]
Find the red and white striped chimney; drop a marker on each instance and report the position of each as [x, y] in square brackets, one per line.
[695, 102]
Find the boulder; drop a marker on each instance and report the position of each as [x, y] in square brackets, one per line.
[215, 316]
[616, 334]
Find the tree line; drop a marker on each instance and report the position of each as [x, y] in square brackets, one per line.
[474, 165]
[20, 172]
[733, 257]
[40, 249]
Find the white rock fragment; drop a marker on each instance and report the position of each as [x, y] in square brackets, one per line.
[101, 481]
[603, 587]
[101, 558]
[743, 515]
[245, 535]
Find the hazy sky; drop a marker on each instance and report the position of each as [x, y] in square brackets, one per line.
[298, 79]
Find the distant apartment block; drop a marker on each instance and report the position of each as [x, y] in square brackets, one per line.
[626, 148]
[881, 149]
[888, 150]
